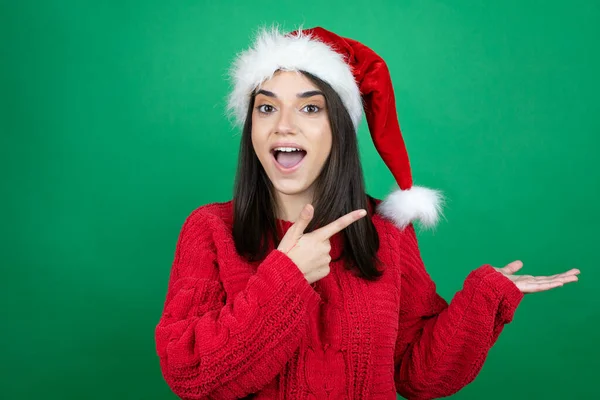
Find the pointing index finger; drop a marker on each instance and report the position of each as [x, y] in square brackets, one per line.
[339, 224]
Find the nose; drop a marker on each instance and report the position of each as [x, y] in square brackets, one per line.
[285, 123]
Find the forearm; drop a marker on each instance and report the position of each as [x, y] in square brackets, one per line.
[450, 349]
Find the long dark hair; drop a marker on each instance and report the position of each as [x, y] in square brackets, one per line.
[339, 189]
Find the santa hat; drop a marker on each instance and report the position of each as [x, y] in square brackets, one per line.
[362, 80]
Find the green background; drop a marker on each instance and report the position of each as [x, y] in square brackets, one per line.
[113, 131]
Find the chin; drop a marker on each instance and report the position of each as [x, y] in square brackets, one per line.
[290, 188]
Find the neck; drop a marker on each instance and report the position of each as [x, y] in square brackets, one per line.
[290, 206]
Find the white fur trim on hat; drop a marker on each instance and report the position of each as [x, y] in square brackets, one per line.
[417, 203]
[273, 51]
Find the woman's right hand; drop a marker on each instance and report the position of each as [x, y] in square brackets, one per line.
[310, 252]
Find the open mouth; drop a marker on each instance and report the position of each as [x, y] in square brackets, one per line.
[288, 158]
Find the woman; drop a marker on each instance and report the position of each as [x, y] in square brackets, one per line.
[303, 286]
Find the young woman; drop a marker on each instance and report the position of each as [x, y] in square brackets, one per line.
[303, 286]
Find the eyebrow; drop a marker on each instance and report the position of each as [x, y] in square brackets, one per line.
[303, 95]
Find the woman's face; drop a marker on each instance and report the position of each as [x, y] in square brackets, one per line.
[290, 113]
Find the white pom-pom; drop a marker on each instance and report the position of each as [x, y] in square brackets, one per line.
[415, 204]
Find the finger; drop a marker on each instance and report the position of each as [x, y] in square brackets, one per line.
[571, 272]
[512, 267]
[537, 287]
[339, 224]
[568, 275]
[563, 279]
[303, 220]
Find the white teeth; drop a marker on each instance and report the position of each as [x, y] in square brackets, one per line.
[286, 149]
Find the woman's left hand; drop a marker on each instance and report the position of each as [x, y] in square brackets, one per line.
[531, 284]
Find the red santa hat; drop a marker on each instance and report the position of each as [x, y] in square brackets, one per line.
[362, 80]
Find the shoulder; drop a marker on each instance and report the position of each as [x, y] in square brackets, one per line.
[398, 244]
[387, 228]
[210, 216]
[402, 247]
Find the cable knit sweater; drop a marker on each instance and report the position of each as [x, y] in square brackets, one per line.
[232, 329]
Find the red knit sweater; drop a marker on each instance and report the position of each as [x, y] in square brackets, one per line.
[233, 329]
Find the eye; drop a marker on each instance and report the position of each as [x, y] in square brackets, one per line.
[265, 109]
[312, 109]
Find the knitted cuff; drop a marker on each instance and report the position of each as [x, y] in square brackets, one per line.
[509, 294]
[280, 276]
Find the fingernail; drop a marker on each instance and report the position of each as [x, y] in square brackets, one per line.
[362, 213]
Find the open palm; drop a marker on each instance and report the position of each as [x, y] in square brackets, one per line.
[531, 284]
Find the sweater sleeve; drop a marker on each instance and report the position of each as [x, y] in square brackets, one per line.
[441, 347]
[212, 346]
